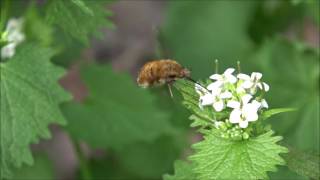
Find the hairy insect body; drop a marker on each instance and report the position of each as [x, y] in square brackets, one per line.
[160, 72]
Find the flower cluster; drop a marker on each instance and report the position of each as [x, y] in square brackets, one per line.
[12, 37]
[240, 96]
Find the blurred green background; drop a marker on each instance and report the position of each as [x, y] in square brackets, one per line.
[126, 132]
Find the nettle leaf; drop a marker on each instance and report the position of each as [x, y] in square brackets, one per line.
[116, 113]
[30, 95]
[71, 15]
[183, 171]
[293, 74]
[218, 158]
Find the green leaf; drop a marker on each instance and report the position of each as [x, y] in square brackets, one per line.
[151, 160]
[293, 75]
[183, 171]
[42, 169]
[36, 28]
[268, 113]
[116, 113]
[83, 7]
[218, 158]
[303, 163]
[71, 15]
[30, 95]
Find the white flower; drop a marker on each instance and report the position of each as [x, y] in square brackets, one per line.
[252, 82]
[243, 112]
[8, 51]
[226, 77]
[262, 104]
[14, 36]
[215, 98]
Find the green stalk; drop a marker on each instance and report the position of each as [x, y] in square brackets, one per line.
[84, 167]
[4, 13]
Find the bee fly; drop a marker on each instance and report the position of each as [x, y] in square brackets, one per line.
[160, 72]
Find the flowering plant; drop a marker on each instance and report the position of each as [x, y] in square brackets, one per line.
[241, 96]
[229, 109]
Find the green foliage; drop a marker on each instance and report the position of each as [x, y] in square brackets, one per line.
[36, 28]
[42, 169]
[294, 76]
[30, 96]
[183, 170]
[71, 15]
[305, 164]
[267, 114]
[195, 33]
[220, 158]
[151, 160]
[117, 113]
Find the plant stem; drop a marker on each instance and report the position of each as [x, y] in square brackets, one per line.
[84, 168]
[4, 14]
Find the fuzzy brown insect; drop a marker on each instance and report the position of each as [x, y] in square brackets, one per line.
[159, 72]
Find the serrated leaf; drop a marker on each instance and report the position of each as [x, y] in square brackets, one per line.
[83, 7]
[293, 74]
[30, 96]
[218, 158]
[182, 171]
[71, 15]
[116, 113]
[268, 113]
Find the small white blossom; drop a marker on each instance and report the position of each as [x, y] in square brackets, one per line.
[244, 112]
[13, 35]
[226, 77]
[252, 82]
[8, 51]
[239, 94]
[215, 98]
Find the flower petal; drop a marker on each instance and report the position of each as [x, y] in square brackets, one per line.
[243, 76]
[240, 90]
[200, 90]
[233, 104]
[256, 104]
[264, 104]
[231, 78]
[255, 76]
[252, 117]
[215, 85]
[249, 111]
[218, 106]
[247, 84]
[8, 51]
[216, 91]
[228, 71]
[266, 86]
[225, 95]
[235, 116]
[207, 99]
[246, 98]
[216, 77]
[243, 124]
